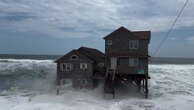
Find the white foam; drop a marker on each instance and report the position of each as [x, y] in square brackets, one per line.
[11, 66]
[171, 88]
[24, 60]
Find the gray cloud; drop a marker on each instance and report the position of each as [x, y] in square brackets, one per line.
[85, 18]
[14, 16]
[190, 39]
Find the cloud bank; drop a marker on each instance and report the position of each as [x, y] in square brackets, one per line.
[91, 18]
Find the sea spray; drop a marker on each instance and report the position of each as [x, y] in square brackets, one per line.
[39, 75]
[29, 85]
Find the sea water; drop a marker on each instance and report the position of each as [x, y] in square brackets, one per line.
[29, 84]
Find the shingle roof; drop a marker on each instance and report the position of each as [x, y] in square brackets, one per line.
[74, 51]
[145, 35]
[119, 30]
[142, 34]
[92, 53]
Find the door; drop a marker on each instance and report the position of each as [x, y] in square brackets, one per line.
[113, 62]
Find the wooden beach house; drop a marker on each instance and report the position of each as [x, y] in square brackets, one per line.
[80, 66]
[127, 58]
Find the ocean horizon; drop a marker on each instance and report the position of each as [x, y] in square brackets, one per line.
[153, 60]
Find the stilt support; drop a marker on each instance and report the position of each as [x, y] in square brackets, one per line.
[146, 86]
[139, 84]
[109, 87]
[58, 90]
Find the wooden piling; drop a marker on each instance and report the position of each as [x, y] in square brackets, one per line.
[146, 86]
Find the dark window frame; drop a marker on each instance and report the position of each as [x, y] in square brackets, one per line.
[133, 61]
[66, 67]
[133, 44]
[83, 66]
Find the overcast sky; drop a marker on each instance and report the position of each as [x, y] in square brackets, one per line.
[57, 26]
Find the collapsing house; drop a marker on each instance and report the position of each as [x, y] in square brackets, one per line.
[125, 59]
[80, 66]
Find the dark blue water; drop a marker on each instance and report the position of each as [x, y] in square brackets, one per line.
[37, 57]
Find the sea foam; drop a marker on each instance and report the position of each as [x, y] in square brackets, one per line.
[30, 85]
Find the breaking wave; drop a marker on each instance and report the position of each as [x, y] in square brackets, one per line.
[171, 79]
[27, 74]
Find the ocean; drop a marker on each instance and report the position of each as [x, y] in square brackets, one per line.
[27, 82]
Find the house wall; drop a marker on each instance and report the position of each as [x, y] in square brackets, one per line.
[120, 44]
[76, 71]
[78, 83]
[124, 68]
[76, 74]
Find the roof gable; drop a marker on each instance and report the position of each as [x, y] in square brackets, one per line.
[144, 35]
[118, 31]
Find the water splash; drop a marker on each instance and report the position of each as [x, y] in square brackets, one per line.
[27, 74]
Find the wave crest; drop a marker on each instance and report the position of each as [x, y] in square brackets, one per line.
[27, 73]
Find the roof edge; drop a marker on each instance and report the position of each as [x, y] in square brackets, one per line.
[122, 27]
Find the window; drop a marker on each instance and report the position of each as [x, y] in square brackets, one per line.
[74, 57]
[133, 44]
[101, 64]
[84, 82]
[66, 67]
[141, 71]
[83, 66]
[133, 61]
[109, 42]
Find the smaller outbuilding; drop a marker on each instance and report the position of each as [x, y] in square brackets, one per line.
[82, 67]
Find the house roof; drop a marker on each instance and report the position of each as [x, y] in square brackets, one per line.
[93, 55]
[144, 35]
[72, 52]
